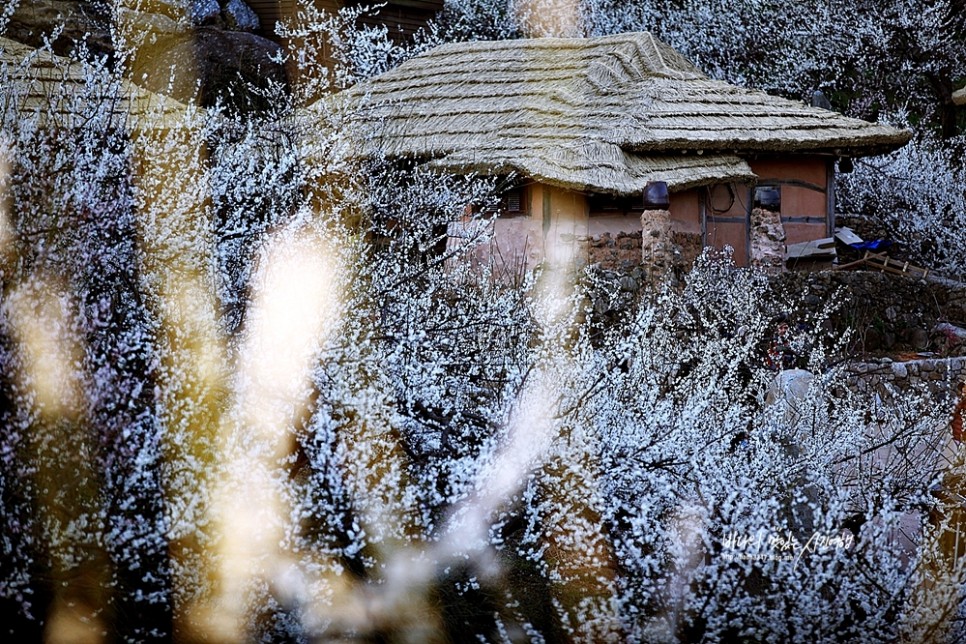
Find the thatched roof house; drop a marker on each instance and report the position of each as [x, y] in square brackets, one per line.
[585, 121]
[62, 92]
[600, 114]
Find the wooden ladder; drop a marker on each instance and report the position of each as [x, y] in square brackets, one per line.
[885, 264]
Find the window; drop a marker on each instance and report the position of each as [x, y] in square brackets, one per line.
[609, 205]
[513, 201]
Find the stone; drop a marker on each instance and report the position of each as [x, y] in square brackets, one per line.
[949, 337]
[152, 24]
[888, 340]
[872, 340]
[240, 17]
[917, 338]
[767, 250]
[205, 12]
[84, 22]
[226, 64]
[175, 9]
[628, 284]
[189, 12]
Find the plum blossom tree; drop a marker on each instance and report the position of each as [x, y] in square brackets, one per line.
[917, 193]
[252, 388]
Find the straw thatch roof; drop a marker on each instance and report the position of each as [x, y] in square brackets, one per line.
[959, 96]
[62, 92]
[599, 114]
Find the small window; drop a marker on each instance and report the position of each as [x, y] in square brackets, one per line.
[610, 206]
[514, 202]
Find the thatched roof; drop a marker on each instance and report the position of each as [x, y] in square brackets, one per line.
[599, 114]
[959, 96]
[59, 89]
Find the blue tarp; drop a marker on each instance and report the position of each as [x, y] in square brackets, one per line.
[877, 244]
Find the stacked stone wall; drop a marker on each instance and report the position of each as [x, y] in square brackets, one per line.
[619, 252]
[939, 377]
[886, 313]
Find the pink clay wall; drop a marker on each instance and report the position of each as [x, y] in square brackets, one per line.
[566, 235]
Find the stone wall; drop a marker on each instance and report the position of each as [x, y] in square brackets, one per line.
[941, 377]
[620, 252]
[886, 313]
[690, 244]
[658, 253]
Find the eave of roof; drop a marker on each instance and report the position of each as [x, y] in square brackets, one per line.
[714, 115]
[601, 168]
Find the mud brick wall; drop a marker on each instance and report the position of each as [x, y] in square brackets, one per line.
[690, 245]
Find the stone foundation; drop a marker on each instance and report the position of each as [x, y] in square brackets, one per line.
[653, 249]
[691, 246]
